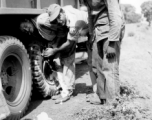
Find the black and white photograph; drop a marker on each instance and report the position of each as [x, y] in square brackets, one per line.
[75, 60]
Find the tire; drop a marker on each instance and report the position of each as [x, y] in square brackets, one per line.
[41, 83]
[15, 75]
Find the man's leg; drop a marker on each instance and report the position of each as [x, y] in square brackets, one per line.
[92, 74]
[108, 72]
[69, 72]
[96, 65]
[68, 78]
[108, 84]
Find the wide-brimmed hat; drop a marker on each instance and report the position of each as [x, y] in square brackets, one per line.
[53, 10]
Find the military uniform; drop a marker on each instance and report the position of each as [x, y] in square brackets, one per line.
[107, 27]
[76, 21]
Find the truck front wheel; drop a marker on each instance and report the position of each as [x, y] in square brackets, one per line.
[15, 76]
[43, 82]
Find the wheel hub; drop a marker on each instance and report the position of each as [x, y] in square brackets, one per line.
[8, 82]
[11, 78]
[49, 73]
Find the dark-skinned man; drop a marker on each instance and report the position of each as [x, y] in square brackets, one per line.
[77, 23]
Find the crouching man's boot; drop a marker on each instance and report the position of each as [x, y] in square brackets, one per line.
[65, 96]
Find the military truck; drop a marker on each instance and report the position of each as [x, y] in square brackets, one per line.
[22, 67]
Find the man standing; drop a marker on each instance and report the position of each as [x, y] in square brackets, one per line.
[107, 31]
[77, 23]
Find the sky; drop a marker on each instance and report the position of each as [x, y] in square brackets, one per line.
[135, 3]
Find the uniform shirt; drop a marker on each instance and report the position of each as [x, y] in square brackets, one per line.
[47, 30]
[76, 21]
[107, 14]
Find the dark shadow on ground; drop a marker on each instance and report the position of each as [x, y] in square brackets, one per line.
[36, 100]
[81, 88]
[81, 69]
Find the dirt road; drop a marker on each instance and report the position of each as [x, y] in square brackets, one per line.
[135, 69]
[63, 111]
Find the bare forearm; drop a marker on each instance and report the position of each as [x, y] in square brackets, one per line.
[66, 45]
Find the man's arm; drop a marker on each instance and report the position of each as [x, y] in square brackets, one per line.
[115, 22]
[72, 38]
[67, 45]
[115, 19]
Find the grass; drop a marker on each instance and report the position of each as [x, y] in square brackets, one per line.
[121, 109]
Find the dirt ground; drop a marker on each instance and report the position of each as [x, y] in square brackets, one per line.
[135, 73]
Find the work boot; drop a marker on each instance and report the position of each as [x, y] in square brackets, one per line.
[96, 100]
[56, 97]
[62, 99]
[65, 98]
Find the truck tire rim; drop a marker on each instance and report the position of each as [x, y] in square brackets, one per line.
[12, 76]
[48, 73]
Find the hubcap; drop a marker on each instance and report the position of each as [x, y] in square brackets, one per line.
[11, 76]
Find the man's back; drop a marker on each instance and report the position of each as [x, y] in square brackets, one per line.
[45, 28]
[75, 17]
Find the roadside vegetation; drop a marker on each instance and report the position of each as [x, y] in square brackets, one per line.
[123, 108]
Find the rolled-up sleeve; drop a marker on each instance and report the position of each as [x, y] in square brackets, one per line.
[115, 19]
[73, 34]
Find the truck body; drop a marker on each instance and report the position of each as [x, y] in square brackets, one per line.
[23, 70]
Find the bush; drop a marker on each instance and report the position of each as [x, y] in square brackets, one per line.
[146, 8]
[123, 108]
[131, 34]
[133, 18]
[129, 13]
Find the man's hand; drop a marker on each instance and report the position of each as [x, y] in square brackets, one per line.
[111, 51]
[49, 52]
